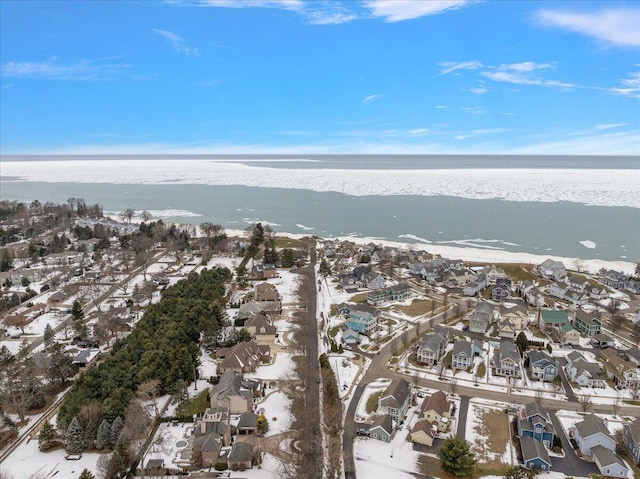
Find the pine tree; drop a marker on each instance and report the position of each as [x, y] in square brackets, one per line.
[86, 474]
[48, 335]
[75, 437]
[456, 456]
[46, 437]
[116, 427]
[76, 310]
[121, 455]
[103, 437]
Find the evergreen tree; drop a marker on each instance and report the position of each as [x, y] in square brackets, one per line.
[121, 456]
[116, 427]
[103, 437]
[456, 456]
[522, 342]
[86, 474]
[48, 335]
[75, 437]
[288, 258]
[46, 437]
[76, 310]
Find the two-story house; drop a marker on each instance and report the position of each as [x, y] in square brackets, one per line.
[463, 353]
[481, 318]
[535, 422]
[631, 439]
[506, 359]
[590, 432]
[625, 374]
[584, 373]
[431, 347]
[541, 366]
[587, 323]
[501, 290]
[396, 399]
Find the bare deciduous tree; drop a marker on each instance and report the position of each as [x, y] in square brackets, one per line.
[585, 402]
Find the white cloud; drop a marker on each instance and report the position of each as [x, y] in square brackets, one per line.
[630, 86]
[419, 131]
[476, 110]
[479, 90]
[177, 42]
[489, 131]
[608, 126]
[525, 73]
[619, 27]
[441, 107]
[449, 67]
[53, 69]
[370, 98]
[399, 10]
[322, 17]
[284, 4]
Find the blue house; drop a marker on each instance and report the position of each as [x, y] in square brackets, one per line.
[541, 366]
[363, 318]
[534, 454]
[535, 423]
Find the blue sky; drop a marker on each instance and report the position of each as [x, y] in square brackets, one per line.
[298, 76]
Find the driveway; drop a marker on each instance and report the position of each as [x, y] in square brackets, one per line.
[570, 464]
[462, 416]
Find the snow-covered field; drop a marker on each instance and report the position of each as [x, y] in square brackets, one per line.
[277, 410]
[282, 367]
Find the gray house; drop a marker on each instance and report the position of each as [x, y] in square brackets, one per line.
[432, 347]
[591, 432]
[631, 438]
[464, 352]
[481, 318]
[542, 366]
[396, 399]
[382, 428]
[583, 372]
[608, 462]
[506, 360]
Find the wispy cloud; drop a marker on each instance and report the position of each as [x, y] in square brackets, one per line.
[370, 98]
[525, 73]
[481, 90]
[7, 86]
[178, 43]
[620, 27]
[284, 4]
[78, 70]
[450, 67]
[630, 86]
[399, 10]
[475, 110]
[609, 126]
[441, 107]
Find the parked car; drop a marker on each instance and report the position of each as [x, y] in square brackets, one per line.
[362, 431]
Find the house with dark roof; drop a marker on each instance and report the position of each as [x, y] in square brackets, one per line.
[584, 373]
[587, 323]
[481, 318]
[603, 341]
[625, 374]
[431, 347]
[244, 357]
[263, 271]
[541, 366]
[241, 456]
[552, 269]
[535, 422]
[248, 423]
[437, 409]
[382, 428]
[631, 439]
[476, 285]
[464, 352]
[396, 399]
[265, 292]
[261, 329]
[591, 432]
[534, 454]
[363, 318]
[506, 359]
[424, 432]
[234, 392]
[613, 279]
[609, 463]
[501, 290]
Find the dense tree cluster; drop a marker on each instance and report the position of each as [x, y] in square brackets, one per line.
[456, 457]
[163, 346]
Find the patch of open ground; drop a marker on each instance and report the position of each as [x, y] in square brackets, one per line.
[491, 442]
[418, 307]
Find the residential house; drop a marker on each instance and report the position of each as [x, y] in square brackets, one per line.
[501, 290]
[534, 454]
[261, 329]
[396, 292]
[493, 273]
[265, 292]
[396, 399]
[591, 432]
[431, 347]
[263, 271]
[541, 366]
[85, 357]
[613, 279]
[633, 285]
[577, 282]
[363, 318]
[244, 357]
[424, 432]
[214, 420]
[634, 355]
[625, 374]
[349, 282]
[535, 422]
[603, 341]
[609, 463]
[206, 449]
[596, 292]
[241, 456]
[577, 298]
[373, 280]
[583, 372]
[559, 289]
[587, 323]
[550, 320]
[463, 353]
[382, 428]
[350, 337]
[531, 294]
[456, 277]
[437, 409]
[247, 423]
[506, 329]
[517, 314]
[482, 317]
[247, 310]
[569, 335]
[476, 285]
[234, 392]
[631, 439]
[506, 359]
[552, 269]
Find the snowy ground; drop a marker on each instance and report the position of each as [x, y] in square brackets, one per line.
[372, 388]
[282, 367]
[276, 407]
[346, 372]
[474, 426]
